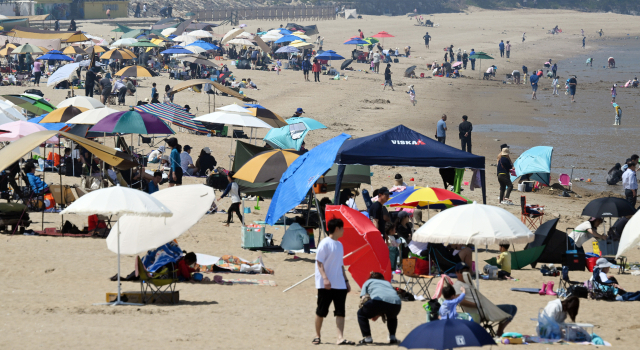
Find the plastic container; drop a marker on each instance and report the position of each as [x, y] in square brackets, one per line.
[591, 263]
[252, 236]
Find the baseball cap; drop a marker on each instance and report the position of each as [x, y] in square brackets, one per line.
[187, 147]
[299, 110]
[383, 190]
[207, 150]
[461, 266]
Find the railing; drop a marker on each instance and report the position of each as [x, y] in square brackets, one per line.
[273, 13]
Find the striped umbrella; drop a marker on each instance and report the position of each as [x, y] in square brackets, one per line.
[135, 71]
[266, 166]
[118, 54]
[63, 115]
[97, 49]
[32, 103]
[174, 114]
[426, 198]
[71, 50]
[133, 122]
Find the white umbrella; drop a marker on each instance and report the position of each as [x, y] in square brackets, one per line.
[474, 223]
[92, 116]
[195, 49]
[630, 235]
[168, 31]
[241, 42]
[81, 101]
[139, 234]
[200, 34]
[118, 201]
[185, 39]
[271, 37]
[9, 108]
[5, 118]
[234, 108]
[244, 35]
[231, 34]
[126, 42]
[62, 73]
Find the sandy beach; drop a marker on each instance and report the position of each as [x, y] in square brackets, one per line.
[49, 284]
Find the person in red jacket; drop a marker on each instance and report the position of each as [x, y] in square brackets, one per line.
[316, 69]
[184, 267]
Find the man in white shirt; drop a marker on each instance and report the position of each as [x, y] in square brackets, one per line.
[630, 184]
[376, 61]
[186, 162]
[331, 280]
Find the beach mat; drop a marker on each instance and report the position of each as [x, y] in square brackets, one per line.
[56, 233]
[253, 282]
[526, 290]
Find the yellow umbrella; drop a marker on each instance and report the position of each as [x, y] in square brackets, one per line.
[300, 44]
[63, 115]
[300, 35]
[134, 71]
[69, 50]
[267, 166]
[118, 54]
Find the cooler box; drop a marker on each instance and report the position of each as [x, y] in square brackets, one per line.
[574, 261]
[252, 236]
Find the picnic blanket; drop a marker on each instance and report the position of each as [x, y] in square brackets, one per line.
[254, 282]
[233, 264]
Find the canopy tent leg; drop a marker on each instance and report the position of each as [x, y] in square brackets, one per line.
[477, 277]
[322, 228]
[341, 169]
[484, 186]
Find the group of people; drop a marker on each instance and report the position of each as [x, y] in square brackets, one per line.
[464, 132]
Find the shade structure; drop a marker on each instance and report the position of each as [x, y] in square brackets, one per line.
[287, 49]
[271, 37]
[126, 42]
[535, 162]
[300, 44]
[168, 31]
[118, 54]
[55, 55]
[185, 39]
[364, 249]
[610, 207]
[63, 115]
[63, 73]
[355, 41]
[474, 223]
[240, 41]
[233, 118]
[329, 55]
[73, 50]
[282, 137]
[311, 124]
[268, 117]
[143, 43]
[132, 122]
[266, 166]
[383, 34]
[195, 49]
[630, 237]
[49, 126]
[81, 101]
[346, 63]
[553, 240]
[32, 103]
[174, 114]
[19, 129]
[6, 51]
[203, 44]
[296, 182]
[118, 201]
[480, 56]
[82, 130]
[447, 334]
[233, 108]
[92, 116]
[139, 234]
[371, 40]
[176, 50]
[199, 59]
[288, 38]
[426, 198]
[200, 34]
[189, 83]
[96, 49]
[26, 48]
[135, 71]
[231, 34]
[409, 71]
[7, 107]
[301, 35]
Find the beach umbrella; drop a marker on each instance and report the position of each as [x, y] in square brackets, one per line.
[32, 103]
[168, 31]
[135, 71]
[310, 124]
[143, 43]
[284, 31]
[44, 49]
[346, 63]
[174, 114]
[63, 115]
[73, 50]
[7, 107]
[301, 35]
[6, 50]
[96, 49]
[371, 40]
[233, 108]
[195, 49]
[139, 234]
[132, 122]
[244, 42]
[287, 39]
[356, 41]
[266, 166]
[630, 237]
[203, 44]
[287, 49]
[283, 137]
[329, 55]
[300, 44]
[26, 48]
[81, 101]
[55, 55]
[121, 29]
[118, 54]
[61, 74]
[267, 116]
[608, 207]
[271, 37]
[447, 334]
[425, 198]
[364, 248]
[409, 71]
[200, 34]
[177, 49]
[198, 60]
[383, 34]
[231, 34]
[119, 201]
[92, 116]
[19, 129]
[54, 126]
[480, 56]
[233, 118]
[126, 42]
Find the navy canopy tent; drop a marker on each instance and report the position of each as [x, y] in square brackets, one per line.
[401, 146]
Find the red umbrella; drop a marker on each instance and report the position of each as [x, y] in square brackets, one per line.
[364, 248]
[383, 34]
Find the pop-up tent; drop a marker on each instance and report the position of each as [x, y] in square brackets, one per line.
[401, 146]
[350, 14]
[308, 30]
[535, 162]
[553, 240]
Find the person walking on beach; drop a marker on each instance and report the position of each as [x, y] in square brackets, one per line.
[376, 62]
[554, 84]
[573, 83]
[501, 46]
[306, 67]
[534, 85]
[331, 281]
[504, 179]
[412, 95]
[473, 60]
[507, 48]
[583, 40]
[614, 93]
[387, 78]
[523, 36]
[441, 129]
[465, 58]
[426, 38]
[465, 129]
[630, 183]
[618, 114]
[554, 70]
[316, 68]
[451, 53]
[234, 192]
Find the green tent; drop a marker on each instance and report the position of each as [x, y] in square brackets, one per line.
[122, 29]
[521, 259]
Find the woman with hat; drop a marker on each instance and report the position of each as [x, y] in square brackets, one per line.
[584, 232]
[504, 178]
[205, 162]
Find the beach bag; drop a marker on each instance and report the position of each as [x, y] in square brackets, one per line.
[395, 60]
[578, 291]
[415, 267]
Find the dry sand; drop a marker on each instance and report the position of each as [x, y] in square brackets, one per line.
[49, 284]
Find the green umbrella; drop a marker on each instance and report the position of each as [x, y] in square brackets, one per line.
[122, 29]
[480, 56]
[26, 48]
[32, 103]
[371, 40]
[143, 43]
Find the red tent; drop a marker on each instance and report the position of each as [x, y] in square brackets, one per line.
[383, 34]
[364, 248]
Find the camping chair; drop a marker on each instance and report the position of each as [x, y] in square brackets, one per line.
[411, 280]
[491, 315]
[565, 282]
[442, 257]
[529, 215]
[157, 286]
[599, 290]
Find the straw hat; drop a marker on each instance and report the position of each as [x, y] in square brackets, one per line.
[505, 152]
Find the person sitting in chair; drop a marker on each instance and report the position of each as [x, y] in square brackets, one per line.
[604, 282]
[205, 162]
[37, 185]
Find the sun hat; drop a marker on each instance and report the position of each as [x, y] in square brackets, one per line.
[299, 110]
[603, 263]
[505, 151]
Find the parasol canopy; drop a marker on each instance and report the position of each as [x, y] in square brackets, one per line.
[62, 115]
[81, 101]
[132, 122]
[266, 166]
[174, 114]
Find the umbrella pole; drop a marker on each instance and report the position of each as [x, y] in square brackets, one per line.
[118, 224]
[477, 277]
[44, 175]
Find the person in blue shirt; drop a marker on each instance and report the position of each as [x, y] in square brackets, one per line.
[175, 174]
[154, 184]
[448, 308]
[153, 90]
[383, 300]
[441, 129]
[501, 46]
[534, 85]
[472, 60]
[37, 185]
[306, 67]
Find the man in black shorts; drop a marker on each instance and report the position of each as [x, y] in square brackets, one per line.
[378, 212]
[426, 38]
[331, 280]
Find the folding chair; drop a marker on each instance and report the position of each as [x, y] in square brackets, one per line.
[411, 280]
[444, 262]
[491, 315]
[528, 215]
[157, 287]
[565, 282]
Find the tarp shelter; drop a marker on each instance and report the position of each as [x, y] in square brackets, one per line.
[308, 30]
[521, 258]
[401, 146]
[535, 162]
[554, 241]
[32, 33]
[350, 14]
[17, 149]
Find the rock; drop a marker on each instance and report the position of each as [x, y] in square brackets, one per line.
[496, 140]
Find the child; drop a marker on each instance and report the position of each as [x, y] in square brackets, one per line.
[373, 66]
[278, 66]
[618, 115]
[504, 260]
[412, 95]
[613, 93]
[555, 86]
[448, 307]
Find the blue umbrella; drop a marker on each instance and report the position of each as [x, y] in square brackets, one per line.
[55, 55]
[296, 182]
[287, 49]
[253, 105]
[48, 126]
[329, 55]
[288, 38]
[356, 41]
[203, 44]
[285, 31]
[176, 50]
[447, 334]
[311, 124]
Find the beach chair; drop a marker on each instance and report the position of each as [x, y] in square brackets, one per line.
[412, 280]
[565, 282]
[528, 215]
[443, 259]
[491, 315]
[565, 180]
[155, 288]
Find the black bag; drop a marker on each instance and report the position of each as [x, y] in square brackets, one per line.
[574, 261]
[34, 92]
[578, 291]
[395, 60]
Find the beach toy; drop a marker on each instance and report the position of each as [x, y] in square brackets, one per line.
[257, 207]
[505, 341]
[466, 183]
[588, 180]
[247, 210]
[197, 276]
[411, 179]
